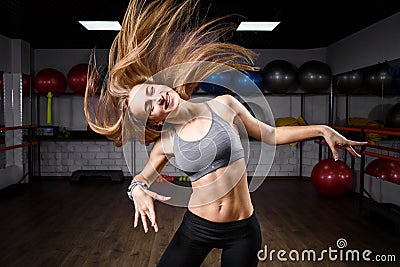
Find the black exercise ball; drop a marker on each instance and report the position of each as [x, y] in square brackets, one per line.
[393, 117]
[314, 76]
[279, 77]
[349, 82]
[378, 79]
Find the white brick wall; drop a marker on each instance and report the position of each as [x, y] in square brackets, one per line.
[61, 158]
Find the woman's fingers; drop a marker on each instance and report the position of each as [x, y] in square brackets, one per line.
[353, 151]
[349, 146]
[334, 151]
[152, 217]
[144, 222]
[145, 209]
[155, 227]
[356, 143]
[157, 196]
[149, 216]
[144, 214]
[135, 222]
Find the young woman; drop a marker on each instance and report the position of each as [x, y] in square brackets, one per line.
[201, 138]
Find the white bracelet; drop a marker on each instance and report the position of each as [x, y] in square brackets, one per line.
[133, 185]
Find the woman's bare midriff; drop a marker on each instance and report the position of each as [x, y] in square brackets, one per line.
[223, 195]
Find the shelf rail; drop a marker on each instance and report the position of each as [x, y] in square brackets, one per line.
[30, 142]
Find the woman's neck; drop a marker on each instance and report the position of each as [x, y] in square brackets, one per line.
[185, 112]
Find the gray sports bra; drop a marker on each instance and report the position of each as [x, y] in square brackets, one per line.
[219, 147]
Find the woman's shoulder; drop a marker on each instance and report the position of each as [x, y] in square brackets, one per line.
[224, 99]
[223, 106]
[227, 102]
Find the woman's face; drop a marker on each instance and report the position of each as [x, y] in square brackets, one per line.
[152, 102]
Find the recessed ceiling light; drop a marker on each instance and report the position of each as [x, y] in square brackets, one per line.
[257, 25]
[101, 25]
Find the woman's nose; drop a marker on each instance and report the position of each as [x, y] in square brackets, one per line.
[159, 99]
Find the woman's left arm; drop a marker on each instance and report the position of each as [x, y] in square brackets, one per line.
[289, 134]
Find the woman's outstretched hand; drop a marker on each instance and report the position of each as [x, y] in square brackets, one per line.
[334, 138]
[143, 200]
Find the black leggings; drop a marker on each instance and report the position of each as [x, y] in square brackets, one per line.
[240, 242]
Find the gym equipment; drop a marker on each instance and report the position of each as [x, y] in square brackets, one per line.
[77, 77]
[117, 176]
[372, 138]
[378, 79]
[279, 76]
[248, 83]
[314, 76]
[217, 83]
[332, 178]
[384, 169]
[393, 116]
[50, 81]
[349, 82]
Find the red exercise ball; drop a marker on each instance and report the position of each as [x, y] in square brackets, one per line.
[50, 80]
[385, 169]
[332, 178]
[77, 78]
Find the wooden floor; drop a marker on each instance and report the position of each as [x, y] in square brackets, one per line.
[55, 223]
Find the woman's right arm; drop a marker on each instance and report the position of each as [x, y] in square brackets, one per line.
[143, 198]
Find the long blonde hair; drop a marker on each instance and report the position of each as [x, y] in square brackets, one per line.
[156, 35]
